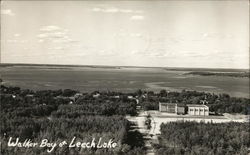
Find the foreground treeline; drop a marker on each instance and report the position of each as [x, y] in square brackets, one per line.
[192, 138]
[222, 103]
[61, 115]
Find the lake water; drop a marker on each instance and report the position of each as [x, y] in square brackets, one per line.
[87, 79]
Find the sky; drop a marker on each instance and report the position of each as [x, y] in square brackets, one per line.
[209, 34]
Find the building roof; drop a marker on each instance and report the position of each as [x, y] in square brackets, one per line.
[197, 105]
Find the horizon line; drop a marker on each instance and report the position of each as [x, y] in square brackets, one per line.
[80, 65]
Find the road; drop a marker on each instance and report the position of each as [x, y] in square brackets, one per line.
[142, 128]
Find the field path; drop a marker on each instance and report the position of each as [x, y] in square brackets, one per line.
[141, 127]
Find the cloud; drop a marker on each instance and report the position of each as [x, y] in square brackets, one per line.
[136, 35]
[58, 35]
[54, 34]
[133, 52]
[12, 41]
[17, 35]
[140, 52]
[23, 41]
[109, 52]
[126, 11]
[115, 10]
[124, 34]
[159, 53]
[64, 40]
[7, 12]
[137, 17]
[40, 40]
[42, 35]
[96, 9]
[112, 10]
[50, 28]
[56, 48]
[106, 10]
[216, 35]
[205, 35]
[16, 41]
[195, 53]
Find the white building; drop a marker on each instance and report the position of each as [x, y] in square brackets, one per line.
[172, 108]
[168, 107]
[198, 110]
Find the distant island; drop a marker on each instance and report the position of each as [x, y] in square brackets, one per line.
[51, 66]
[230, 74]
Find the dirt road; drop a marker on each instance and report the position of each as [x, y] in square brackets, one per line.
[142, 128]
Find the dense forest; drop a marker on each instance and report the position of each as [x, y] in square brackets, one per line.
[192, 138]
[62, 114]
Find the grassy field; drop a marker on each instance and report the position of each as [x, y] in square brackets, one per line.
[124, 79]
